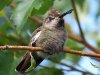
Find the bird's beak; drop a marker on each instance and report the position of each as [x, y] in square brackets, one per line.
[68, 12]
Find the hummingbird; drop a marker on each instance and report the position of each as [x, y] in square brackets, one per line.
[50, 36]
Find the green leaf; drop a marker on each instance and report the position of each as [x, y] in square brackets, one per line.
[5, 28]
[21, 13]
[47, 71]
[57, 57]
[98, 43]
[4, 3]
[37, 4]
[2, 13]
[45, 5]
[6, 62]
[76, 46]
[7, 34]
[32, 25]
[80, 3]
[73, 58]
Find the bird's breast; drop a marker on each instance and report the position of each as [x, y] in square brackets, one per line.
[50, 41]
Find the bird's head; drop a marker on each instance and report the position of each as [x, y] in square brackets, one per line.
[54, 18]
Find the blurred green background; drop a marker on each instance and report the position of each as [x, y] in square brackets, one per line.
[16, 29]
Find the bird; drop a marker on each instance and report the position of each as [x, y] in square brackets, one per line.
[51, 37]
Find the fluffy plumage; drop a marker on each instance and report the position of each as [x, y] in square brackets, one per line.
[50, 36]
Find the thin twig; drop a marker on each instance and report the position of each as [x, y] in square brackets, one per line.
[81, 32]
[76, 38]
[74, 68]
[77, 18]
[66, 49]
[36, 19]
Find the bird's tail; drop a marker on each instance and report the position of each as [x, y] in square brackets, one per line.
[26, 62]
[38, 59]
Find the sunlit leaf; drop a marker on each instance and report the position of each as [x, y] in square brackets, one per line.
[2, 13]
[45, 5]
[21, 13]
[37, 4]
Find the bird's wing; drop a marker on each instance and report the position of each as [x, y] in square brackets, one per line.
[26, 61]
[35, 36]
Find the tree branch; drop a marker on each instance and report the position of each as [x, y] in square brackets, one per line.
[20, 47]
[80, 40]
[66, 49]
[36, 19]
[83, 40]
[76, 38]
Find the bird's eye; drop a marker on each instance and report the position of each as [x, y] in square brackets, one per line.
[50, 18]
